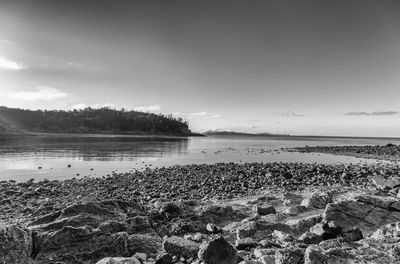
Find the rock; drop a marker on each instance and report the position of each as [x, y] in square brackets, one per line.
[289, 256]
[353, 234]
[214, 229]
[144, 243]
[15, 245]
[317, 200]
[282, 236]
[170, 210]
[368, 217]
[245, 243]
[164, 259]
[264, 209]
[310, 238]
[301, 225]
[259, 230]
[265, 243]
[218, 214]
[267, 259]
[385, 183]
[259, 252]
[140, 256]
[314, 256]
[180, 246]
[324, 231]
[287, 175]
[295, 210]
[119, 260]
[387, 233]
[218, 251]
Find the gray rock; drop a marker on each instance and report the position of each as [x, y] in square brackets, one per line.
[164, 259]
[15, 245]
[213, 228]
[310, 238]
[218, 251]
[367, 216]
[180, 246]
[245, 243]
[264, 209]
[317, 200]
[289, 255]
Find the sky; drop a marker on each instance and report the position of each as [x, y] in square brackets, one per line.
[310, 67]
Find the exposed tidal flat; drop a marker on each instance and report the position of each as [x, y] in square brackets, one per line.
[277, 212]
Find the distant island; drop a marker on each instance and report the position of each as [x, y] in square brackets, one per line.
[233, 133]
[89, 120]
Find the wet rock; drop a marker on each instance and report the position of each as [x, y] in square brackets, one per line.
[180, 246]
[218, 251]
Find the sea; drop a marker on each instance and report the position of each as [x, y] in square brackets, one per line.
[63, 157]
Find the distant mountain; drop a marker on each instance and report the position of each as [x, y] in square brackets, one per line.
[104, 120]
[232, 133]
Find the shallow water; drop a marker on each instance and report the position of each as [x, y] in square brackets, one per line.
[41, 157]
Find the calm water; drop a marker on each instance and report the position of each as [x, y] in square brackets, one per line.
[20, 158]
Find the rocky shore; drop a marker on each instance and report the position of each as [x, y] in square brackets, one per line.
[224, 213]
[389, 152]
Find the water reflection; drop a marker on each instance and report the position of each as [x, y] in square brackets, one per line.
[91, 148]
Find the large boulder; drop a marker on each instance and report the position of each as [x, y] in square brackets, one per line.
[367, 213]
[180, 247]
[218, 251]
[15, 245]
[88, 232]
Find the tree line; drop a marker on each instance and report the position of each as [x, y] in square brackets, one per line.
[90, 120]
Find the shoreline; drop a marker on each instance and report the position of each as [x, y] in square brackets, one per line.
[257, 212]
[388, 152]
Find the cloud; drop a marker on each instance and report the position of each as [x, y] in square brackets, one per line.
[199, 114]
[6, 42]
[149, 108]
[291, 114]
[216, 116]
[75, 64]
[95, 106]
[375, 113]
[42, 93]
[11, 65]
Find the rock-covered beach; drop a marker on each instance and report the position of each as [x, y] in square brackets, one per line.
[386, 152]
[222, 213]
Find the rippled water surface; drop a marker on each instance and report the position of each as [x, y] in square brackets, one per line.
[58, 157]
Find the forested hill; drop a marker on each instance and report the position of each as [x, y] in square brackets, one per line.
[104, 120]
